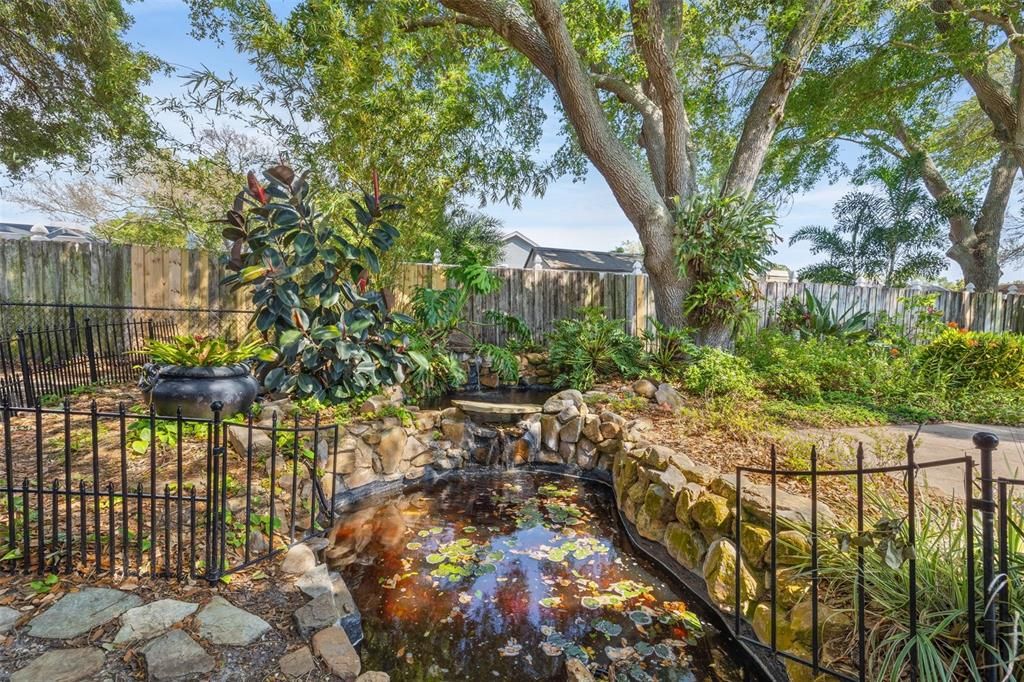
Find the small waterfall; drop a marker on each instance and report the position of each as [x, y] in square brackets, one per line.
[473, 373]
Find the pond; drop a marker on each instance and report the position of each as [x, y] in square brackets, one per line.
[503, 575]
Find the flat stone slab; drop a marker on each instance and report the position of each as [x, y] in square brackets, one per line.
[62, 665]
[146, 622]
[498, 409]
[8, 618]
[298, 663]
[175, 655]
[332, 645]
[222, 623]
[79, 612]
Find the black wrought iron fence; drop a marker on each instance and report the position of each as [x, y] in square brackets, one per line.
[990, 576]
[50, 362]
[124, 492]
[15, 315]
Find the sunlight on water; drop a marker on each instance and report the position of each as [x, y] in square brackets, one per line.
[503, 576]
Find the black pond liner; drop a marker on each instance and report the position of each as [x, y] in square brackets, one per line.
[758, 666]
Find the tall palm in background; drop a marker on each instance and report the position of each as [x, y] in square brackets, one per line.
[891, 235]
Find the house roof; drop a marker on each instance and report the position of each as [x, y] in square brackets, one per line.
[509, 236]
[57, 232]
[581, 259]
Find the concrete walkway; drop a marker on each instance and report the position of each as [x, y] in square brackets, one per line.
[946, 440]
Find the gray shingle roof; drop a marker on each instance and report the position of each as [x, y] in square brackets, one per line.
[581, 259]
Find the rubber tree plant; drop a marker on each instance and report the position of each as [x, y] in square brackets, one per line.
[332, 336]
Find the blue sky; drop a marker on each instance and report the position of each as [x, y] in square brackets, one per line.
[570, 215]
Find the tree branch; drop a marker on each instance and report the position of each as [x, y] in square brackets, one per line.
[444, 20]
[766, 111]
[650, 38]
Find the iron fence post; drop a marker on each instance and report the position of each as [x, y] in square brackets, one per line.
[987, 443]
[90, 352]
[26, 373]
[217, 517]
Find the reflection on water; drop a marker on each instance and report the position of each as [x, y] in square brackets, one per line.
[502, 576]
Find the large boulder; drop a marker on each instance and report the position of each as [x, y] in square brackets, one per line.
[712, 515]
[645, 388]
[686, 545]
[391, 447]
[719, 571]
[668, 398]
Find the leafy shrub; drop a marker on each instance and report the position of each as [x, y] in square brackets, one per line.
[310, 283]
[592, 348]
[670, 348]
[790, 382]
[988, 406]
[202, 351]
[812, 318]
[717, 373]
[965, 358]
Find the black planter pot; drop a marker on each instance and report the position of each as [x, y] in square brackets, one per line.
[194, 389]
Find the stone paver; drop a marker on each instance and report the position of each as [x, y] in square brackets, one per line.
[315, 581]
[298, 560]
[176, 655]
[332, 645]
[62, 665]
[318, 614]
[298, 663]
[79, 612]
[8, 617]
[152, 619]
[222, 623]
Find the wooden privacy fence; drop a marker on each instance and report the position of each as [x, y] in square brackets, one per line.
[180, 279]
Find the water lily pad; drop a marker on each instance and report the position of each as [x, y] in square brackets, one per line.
[469, 529]
[663, 651]
[607, 628]
[640, 617]
[644, 649]
[550, 602]
[591, 603]
[414, 545]
[435, 559]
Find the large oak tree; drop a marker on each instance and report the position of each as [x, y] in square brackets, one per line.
[939, 82]
[653, 93]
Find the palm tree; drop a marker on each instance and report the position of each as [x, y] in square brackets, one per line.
[891, 235]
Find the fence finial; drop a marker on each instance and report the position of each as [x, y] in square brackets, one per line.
[970, 287]
[637, 268]
[1012, 290]
[437, 256]
[538, 264]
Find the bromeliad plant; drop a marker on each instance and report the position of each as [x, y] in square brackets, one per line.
[332, 334]
[202, 351]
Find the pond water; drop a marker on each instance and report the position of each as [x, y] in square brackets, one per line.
[501, 576]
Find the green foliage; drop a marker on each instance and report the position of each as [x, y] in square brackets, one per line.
[812, 318]
[670, 349]
[592, 348]
[203, 351]
[943, 648]
[722, 245]
[715, 372]
[310, 283]
[891, 237]
[982, 359]
[519, 337]
[141, 434]
[69, 83]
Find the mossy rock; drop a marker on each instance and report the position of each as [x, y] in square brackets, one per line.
[762, 622]
[687, 496]
[753, 541]
[719, 571]
[792, 548]
[791, 586]
[659, 503]
[657, 456]
[833, 624]
[629, 509]
[685, 544]
[712, 515]
[637, 491]
[649, 527]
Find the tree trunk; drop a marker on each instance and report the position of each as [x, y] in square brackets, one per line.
[669, 289]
